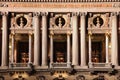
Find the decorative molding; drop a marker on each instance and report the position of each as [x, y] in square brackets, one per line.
[59, 1]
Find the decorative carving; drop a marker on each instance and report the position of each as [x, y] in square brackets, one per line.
[83, 13]
[4, 13]
[44, 13]
[3, 5]
[75, 13]
[36, 14]
[80, 77]
[40, 78]
[113, 13]
[12, 20]
[100, 77]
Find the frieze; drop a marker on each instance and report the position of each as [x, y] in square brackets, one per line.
[62, 5]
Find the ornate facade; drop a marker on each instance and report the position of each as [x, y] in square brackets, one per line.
[60, 40]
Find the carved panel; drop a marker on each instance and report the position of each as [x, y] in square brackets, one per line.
[21, 20]
[60, 21]
[99, 20]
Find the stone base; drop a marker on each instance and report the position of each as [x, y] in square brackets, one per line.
[80, 67]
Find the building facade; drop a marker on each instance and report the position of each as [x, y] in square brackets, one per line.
[60, 40]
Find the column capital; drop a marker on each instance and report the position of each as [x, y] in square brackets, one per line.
[75, 13]
[4, 13]
[30, 33]
[90, 33]
[44, 13]
[107, 33]
[114, 14]
[51, 33]
[83, 13]
[68, 33]
[36, 13]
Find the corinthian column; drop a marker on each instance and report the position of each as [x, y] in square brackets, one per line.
[114, 39]
[44, 39]
[83, 40]
[36, 38]
[74, 39]
[4, 39]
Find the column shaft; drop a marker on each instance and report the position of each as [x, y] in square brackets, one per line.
[4, 40]
[74, 39]
[30, 47]
[68, 49]
[114, 40]
[51, 48]
[107, 41]
[44, 39]
[83, 40]
[12, 55]
[36, 39]
[90, 48]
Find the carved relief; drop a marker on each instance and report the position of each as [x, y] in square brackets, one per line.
[60, 21]
[98, 20]
[21, 20]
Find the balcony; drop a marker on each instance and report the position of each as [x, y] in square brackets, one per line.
[20, 66]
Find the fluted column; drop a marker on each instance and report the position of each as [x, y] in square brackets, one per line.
[68, 49]
[83, 40]
[36, 38]
[74, 39]
[114, 39]
[13, 40]
[44, 39]
[30, 47]
[4, 39]
[51, 48]
[90, 47]
[107, 41]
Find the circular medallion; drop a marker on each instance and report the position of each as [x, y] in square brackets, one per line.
[98, 21]
[60, 21]
[21, 21]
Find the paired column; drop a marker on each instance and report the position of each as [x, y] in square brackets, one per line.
[90, 47]
[44, 39]
[30, 47]
[68, 49]
[75, 38]
[83, 40]
[4, 39]
[107, 41]
[36, 38]
[114, 39]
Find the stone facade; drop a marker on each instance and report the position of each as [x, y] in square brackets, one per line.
[49, 40]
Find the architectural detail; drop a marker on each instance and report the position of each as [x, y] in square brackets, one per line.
[50, 40]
